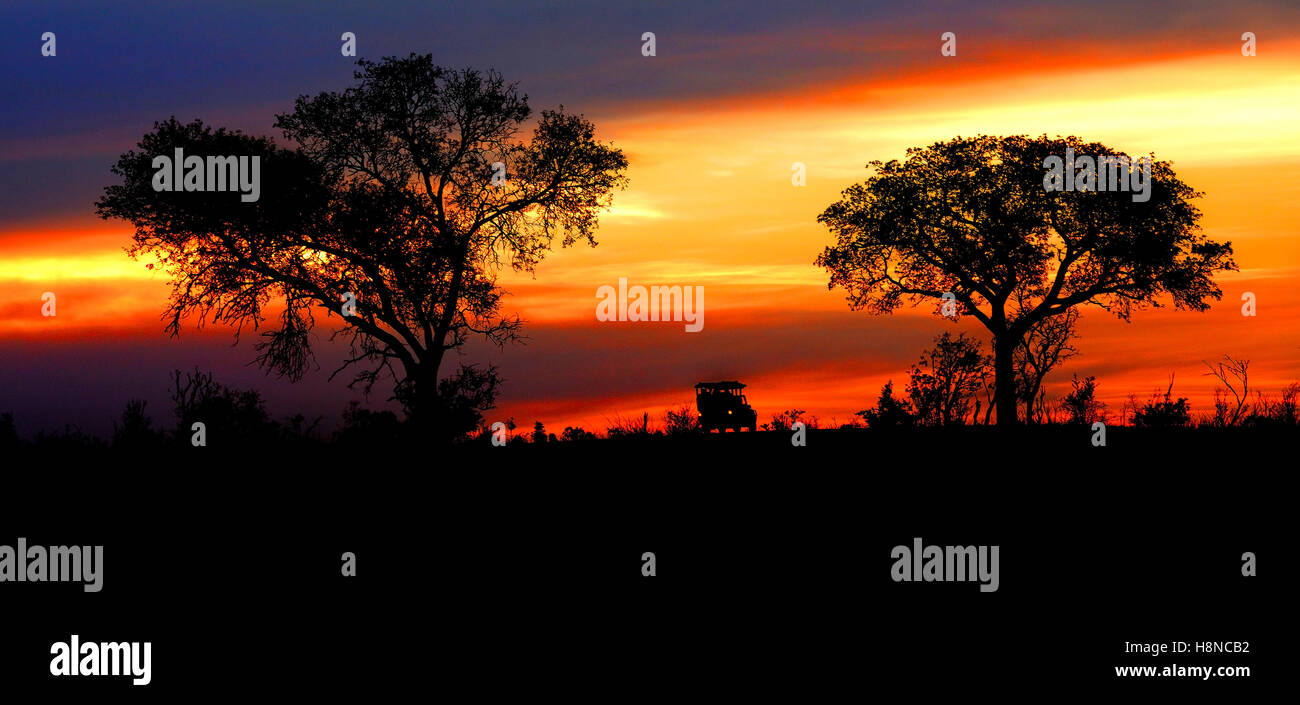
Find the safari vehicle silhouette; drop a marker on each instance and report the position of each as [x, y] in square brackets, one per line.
[722, 406]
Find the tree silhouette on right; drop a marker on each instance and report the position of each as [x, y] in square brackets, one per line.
[972, 218]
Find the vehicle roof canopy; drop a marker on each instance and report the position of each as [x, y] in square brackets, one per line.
[719, 385]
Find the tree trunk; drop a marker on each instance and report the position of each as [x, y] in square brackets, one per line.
[419, 397]
[1004, 378]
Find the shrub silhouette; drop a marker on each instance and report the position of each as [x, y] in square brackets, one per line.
[1081, 404]
[786, 420]
[889, 412]
[229, 416]
[71, 438]
[461, 401]
[1164, 413]
[682, 420]
[577, 433]
[946, 379]
[135, 430]
[1282, 412]
[1045, 345]
[364, 427]
[625, 427]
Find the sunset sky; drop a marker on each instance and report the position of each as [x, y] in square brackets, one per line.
[711, 126]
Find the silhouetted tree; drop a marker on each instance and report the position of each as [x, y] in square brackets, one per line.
[462, 399]
[135, 431]
[945, 380]
[1081, 404]
[988, 388]
[1286, 410]
[889, 411]
[971, 216]
[1045, 345]
[407, 193]
[1235, 376]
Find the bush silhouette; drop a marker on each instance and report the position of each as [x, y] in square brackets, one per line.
[889, 412]
[1164, 413]
[229, 416]
[135, 430]
[1081, 404]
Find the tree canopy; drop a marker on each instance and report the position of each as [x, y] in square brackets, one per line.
[972, 216]
[407, 193]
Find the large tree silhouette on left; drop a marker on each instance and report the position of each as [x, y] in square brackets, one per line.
[408, 192]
